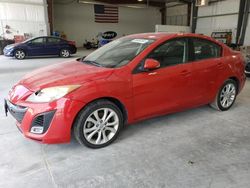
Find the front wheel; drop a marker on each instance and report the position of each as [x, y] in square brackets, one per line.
[19, 54]
[65, 53]
[98, 124]
[226, 96]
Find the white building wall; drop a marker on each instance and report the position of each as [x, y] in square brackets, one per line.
[172, 28]
[177, 15]
[77, 21]
[26, 16]
[218, 23]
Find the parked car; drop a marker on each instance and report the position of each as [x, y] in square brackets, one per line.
[40, 46]
[128, 80]
[90, 44]
[247, 69]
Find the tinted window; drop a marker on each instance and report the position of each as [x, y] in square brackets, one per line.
[171, 53]
[38, 41]
[204, 49]
[53, 40]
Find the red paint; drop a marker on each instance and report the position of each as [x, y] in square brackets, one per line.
[151, 64]
[144, 95]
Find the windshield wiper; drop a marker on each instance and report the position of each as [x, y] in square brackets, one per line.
[91, 62]
[82, 58]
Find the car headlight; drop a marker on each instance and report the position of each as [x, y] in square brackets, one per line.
[9, 47]
[51, 93]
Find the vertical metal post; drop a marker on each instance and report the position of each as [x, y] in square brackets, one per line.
[244, 23]
[46, 18]
[163, 11]
[194, 16]
[240, 18]
[189, 14]
[50, 14]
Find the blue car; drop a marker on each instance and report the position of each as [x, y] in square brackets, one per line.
[40, 46]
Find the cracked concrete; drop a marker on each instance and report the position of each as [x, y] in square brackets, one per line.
[197, 148]
[47, 165]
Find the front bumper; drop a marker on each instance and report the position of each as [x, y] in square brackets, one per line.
[8, 52]
[16, 111]
[56, 118]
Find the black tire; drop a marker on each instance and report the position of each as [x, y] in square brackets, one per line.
[65, 53]
[81, 123]
[19, 54]
[217, 104]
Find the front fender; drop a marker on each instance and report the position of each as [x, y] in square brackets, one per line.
[114, 86]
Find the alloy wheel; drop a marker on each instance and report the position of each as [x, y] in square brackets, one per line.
[101, 126]
[228, 94]
[65, 53]
[19, 54]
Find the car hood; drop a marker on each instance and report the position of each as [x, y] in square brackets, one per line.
[11, 46]
[68, 73]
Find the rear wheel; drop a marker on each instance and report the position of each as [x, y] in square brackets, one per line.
[98, 124]
[65, 53]
[226, 96]
[19, 54]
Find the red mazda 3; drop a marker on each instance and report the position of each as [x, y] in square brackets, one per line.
[130, 79]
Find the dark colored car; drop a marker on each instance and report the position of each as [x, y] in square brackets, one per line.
[40, 46]
[247, 69]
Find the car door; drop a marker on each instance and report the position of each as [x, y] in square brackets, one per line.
[52, 46]
[35, 47]
[167, 88]
[206, 68]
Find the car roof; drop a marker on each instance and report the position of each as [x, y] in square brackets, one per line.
[151, 35]
[33, 38]
[168, 35]
[50, 37]
[46, 37]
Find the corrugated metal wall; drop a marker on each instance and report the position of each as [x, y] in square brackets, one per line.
[26, 16]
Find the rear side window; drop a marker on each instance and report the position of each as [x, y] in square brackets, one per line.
[53, 40]
[204, 49]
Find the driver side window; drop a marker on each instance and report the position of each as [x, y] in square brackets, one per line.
[171, 53]
[38, 41]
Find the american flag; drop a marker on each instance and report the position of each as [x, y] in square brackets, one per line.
[106, 14]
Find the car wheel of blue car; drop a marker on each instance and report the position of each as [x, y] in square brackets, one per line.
[64, 53]
[19, 54]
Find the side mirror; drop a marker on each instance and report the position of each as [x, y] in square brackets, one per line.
[29, 43]
[80, 58]
[151, 64]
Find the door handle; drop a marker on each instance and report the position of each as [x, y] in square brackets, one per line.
[185, 73]
[152, 73]
[220, 65]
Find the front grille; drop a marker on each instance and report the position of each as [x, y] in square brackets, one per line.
[16, 111]
[43, 120]
[39, 121]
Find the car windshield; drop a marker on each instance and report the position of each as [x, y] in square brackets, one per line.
[117, 53]
[27, 40]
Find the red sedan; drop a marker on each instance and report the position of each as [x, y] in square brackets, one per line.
[130, 79]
